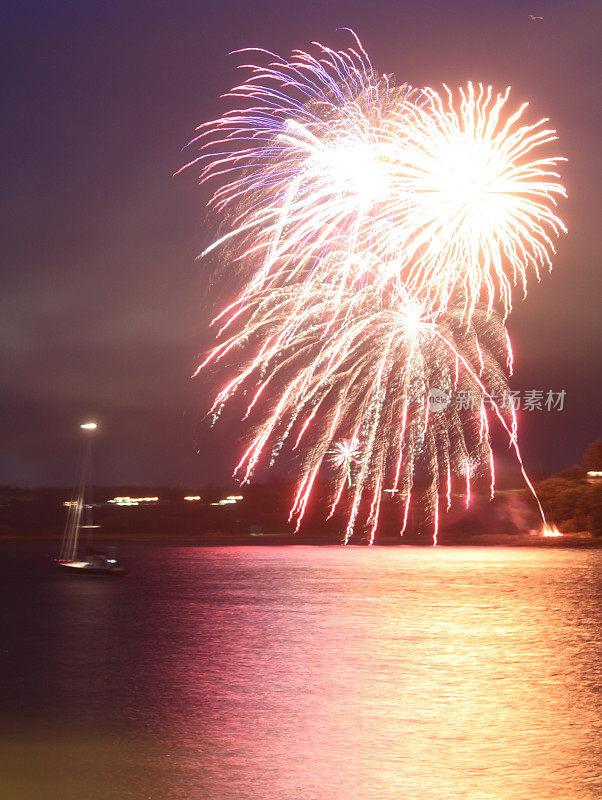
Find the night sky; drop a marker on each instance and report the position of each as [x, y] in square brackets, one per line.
[104, 309]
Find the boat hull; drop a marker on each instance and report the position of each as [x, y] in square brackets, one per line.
[87, 568]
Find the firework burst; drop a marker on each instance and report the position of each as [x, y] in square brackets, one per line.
[344, 455]
[326, 160]
[477, 197]
[377, 226]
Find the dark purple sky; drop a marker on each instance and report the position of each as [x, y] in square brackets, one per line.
[104, 308]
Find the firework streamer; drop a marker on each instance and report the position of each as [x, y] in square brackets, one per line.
[339, 389]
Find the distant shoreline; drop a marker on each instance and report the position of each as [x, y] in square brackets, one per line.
[572, 541]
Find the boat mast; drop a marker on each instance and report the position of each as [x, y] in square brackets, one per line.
[80, 501]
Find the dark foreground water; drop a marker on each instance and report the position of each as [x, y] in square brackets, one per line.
[303, 674]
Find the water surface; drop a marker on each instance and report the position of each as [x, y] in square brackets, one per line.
[303, 673]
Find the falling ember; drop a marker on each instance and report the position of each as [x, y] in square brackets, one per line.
[377, 227]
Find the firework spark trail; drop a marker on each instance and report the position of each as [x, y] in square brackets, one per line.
[377, 226]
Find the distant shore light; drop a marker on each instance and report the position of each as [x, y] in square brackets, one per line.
[126, 500]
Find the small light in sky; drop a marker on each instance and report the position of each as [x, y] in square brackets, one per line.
[89, 426]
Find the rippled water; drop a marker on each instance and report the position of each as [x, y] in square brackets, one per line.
[304, 673]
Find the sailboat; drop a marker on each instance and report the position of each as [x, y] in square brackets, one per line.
[80, 517]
